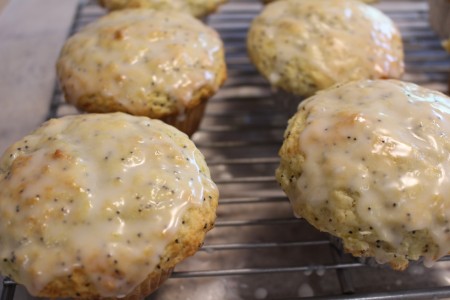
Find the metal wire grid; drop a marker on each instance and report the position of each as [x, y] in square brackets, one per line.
[240, 136]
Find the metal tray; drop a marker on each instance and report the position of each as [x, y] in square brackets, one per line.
[257, 249]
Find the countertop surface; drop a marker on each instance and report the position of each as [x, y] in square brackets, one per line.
[28, 51]
[3, 4]
[30, 43]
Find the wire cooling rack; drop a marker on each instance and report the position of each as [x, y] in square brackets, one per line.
[257, 249]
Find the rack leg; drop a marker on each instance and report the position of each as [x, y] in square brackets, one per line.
[344, 276]
[9, 288]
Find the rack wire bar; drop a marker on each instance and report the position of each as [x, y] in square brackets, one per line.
[258, 271]
[411, 294]
[9, 288]
[260, 222]
[57, 97]
[248, 179]
[249, 200]
[244, 161]
[262, 245]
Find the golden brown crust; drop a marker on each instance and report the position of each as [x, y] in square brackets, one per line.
[195, 224]
[77, 285]
[191, 120]
[159, 107]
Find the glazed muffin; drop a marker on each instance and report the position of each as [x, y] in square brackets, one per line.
[197, 8]
[366, 1]
[101, 206]
[309, 45]
[368, 162]
[163, 65]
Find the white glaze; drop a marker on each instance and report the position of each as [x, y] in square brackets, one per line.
[92, 189]
[388, 142]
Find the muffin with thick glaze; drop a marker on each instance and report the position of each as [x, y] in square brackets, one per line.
[164, 65]
[369, 162]
[305, 46]
[197, 8]
[101, 206]
[270, 1]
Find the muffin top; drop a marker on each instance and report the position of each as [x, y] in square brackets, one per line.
[304, 46]
[143, 62]
[366, 1]
[100, 193]
[369, 161]
[197, 8]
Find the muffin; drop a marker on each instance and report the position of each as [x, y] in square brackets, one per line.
[305, 46]
[366, 1]
[101, 206]
[368, 162]
[197, 8]
[163, 65]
